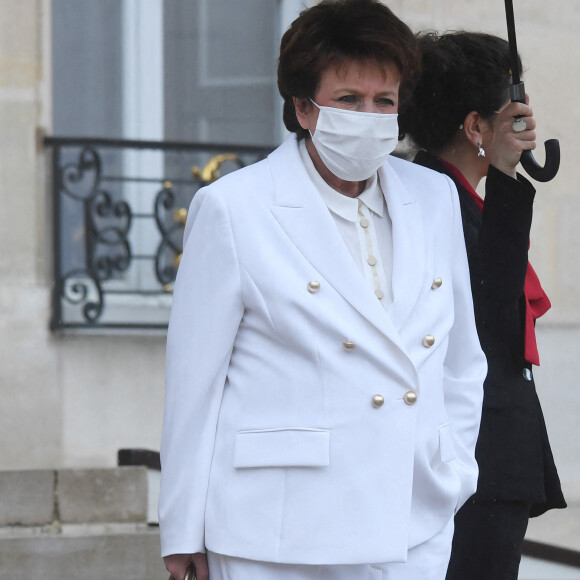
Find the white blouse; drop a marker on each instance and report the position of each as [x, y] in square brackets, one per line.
[365, 226]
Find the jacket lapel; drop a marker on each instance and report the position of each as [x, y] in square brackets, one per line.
[303, 215]
[409, 251]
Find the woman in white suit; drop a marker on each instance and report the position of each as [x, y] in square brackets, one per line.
[324, 376]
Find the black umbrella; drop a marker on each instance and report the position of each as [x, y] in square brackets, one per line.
[518, 93]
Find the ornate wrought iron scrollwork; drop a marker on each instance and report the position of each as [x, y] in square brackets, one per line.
[80, 288]
[169, 251]
[170, 247]
[108, 225]
[80, 180]
[211, 170]
[117, 234]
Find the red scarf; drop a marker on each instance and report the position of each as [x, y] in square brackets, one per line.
[537, 301]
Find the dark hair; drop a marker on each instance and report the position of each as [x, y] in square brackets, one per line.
[462, 72]
[332, 32]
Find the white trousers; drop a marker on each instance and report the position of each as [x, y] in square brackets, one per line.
[427, 561]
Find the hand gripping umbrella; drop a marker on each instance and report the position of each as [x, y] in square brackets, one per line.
[518, 93]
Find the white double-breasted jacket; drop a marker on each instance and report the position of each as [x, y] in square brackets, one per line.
[304, 423]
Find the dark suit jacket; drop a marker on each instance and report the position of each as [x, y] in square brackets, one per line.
[513, 451]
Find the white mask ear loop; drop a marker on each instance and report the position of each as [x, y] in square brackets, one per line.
[318, 107]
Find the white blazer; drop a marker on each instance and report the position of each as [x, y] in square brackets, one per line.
[303, 422]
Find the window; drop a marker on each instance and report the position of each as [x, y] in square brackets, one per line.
[173, 71]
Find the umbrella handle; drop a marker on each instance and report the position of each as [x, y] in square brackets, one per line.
[551, 166]
[552, 147]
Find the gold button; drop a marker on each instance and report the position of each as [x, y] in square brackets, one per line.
[378, 401]
[372, 261]
[410, 397]
[313, 286]
[348, 344]
[428, 340]
[364, 222]
[436, 283]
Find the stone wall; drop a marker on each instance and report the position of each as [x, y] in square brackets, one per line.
[30, 415]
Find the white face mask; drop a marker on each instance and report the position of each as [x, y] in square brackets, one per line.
[353, 144]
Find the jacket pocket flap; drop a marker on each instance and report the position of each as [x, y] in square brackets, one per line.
[282, 448]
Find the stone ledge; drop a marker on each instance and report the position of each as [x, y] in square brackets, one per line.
[102, 495]
[56, 529]
[27, 497]
[74, 496]
[131, 556]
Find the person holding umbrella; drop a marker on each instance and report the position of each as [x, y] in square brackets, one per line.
[461, 117]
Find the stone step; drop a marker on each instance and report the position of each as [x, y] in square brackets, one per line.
[94, 524]
[78, 496]
[131, 554]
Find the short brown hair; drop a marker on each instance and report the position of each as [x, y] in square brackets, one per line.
[333, 32]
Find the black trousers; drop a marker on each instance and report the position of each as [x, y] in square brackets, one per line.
[487, 542]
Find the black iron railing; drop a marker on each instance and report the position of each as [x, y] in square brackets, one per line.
[119, 208]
